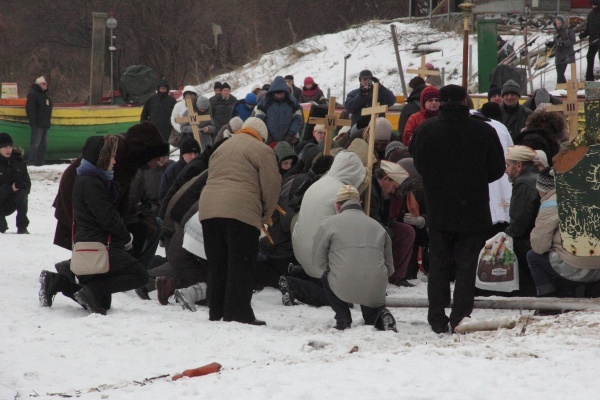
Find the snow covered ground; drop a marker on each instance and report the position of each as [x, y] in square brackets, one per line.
[298, 355]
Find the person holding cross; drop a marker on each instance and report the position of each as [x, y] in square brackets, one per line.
[180, 110]
[362, 97]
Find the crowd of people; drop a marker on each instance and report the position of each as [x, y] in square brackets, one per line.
[257, 203]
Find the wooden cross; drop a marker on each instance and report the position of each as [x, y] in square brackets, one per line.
[373, 111]
[423, 71]
[331, 122]
[571, 107]
[194, 120]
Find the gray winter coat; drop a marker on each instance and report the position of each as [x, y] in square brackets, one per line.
[564, 39]
[358, 253]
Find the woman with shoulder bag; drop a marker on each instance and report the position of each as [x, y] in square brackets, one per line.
[97, 221]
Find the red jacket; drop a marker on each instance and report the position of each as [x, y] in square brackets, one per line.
[417, 118]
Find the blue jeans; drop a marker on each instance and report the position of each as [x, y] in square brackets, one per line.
[37, 146]
[548, 281]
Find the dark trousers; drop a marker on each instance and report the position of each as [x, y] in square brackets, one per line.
[591, 55]
[37, 146]
[548, 282]
[448, 251]
[271, 269]
[308, 290]
[560, 73]
[231, 250]
[403, 240]
[521, 246]
[17, 201]
[342, 309]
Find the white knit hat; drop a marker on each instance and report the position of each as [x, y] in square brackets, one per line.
[257, 125]
[190, 88]
[236, 124]
[41, 79]
[383, 129]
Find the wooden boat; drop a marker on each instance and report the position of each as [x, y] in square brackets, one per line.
[72, 124]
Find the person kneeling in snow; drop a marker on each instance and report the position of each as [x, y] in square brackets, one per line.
[355, 252]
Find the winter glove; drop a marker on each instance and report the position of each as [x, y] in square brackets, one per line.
[419, 221]
[560, 43]
[582, 35]
[375, 80]
[129, 245]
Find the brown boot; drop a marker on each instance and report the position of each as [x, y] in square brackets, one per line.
[165, 287]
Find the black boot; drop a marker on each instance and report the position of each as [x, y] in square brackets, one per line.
[86, 298]
[49, 286]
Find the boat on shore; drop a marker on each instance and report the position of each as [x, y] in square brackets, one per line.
[72, 124]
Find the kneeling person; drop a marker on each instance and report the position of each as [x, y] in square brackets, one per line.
[355, 252]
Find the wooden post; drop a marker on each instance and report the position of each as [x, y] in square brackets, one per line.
[194, 120]
[508, 303]
[422, 71]
[373, 111]
[570, 107]
[331, 122]
[398, 61]
[467, 9]
[97, 59]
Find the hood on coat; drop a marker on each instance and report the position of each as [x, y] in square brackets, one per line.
[283, 151]
[348, 168]
[562, 19]
[278, 85]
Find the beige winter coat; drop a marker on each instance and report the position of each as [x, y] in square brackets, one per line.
[243, 182]
[545, 236]
[358, 253]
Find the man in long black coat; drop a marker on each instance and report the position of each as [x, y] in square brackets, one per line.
[457, 157]
[158, 109]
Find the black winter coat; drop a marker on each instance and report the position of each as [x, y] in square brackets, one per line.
[13, 170]
[514, 118]
[356, 100]
[592, 27]
[38, 107]
[158, 110]
[412, 105]
[220, 110]
[457, 158]
[524, 204]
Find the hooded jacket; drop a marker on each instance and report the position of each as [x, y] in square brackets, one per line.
[281, 117]
[357, 251]
[13, 170]
[564, 39]
[319, 203]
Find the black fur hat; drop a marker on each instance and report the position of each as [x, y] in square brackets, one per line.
[452, 94]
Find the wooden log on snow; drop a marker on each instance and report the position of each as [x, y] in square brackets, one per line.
[486, 325]
[509, 303]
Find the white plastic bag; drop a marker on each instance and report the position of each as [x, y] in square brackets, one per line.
[497, 268]
[193, 238]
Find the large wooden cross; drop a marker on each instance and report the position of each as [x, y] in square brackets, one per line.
[331, 122]
[422, 71]
[373, 111]
[194, 119]
[571, 107]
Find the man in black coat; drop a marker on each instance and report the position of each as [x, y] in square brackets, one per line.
[14, 185]
[592, 29]
[457, 157]
[362, 97]
[158, 109]
[221, 106]
[39, 113]
[413, 102]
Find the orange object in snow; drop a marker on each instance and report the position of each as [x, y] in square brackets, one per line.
[200, 371]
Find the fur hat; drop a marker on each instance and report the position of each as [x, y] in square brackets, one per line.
[226, 86]
[492, 110]
[190, 145]
[218, 85]
[99, 150]
[202, 103]
[545, 181]
[541, 158]
[250, 99]
[365, 73]
[452, 94]
[494, 90]
[394, 171]
[416, 82]
[235, 124]
[309, 81]
[511, 87]
[41, 79]
[393, 146]
[5, 139]
[143, 142]
[347, 192]
[258, 126]
[521, 153]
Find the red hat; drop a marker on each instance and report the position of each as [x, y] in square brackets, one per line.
[430, 92]
[309, 81]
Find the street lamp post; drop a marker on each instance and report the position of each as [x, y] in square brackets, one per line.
[111, 24]
[467, 11]
[346, 57]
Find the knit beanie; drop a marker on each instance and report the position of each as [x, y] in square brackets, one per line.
[309, 81]
[365, 73]
[383, 129]
[416, 82]
[5, 139]
[217, 85]
[393, 146]
[190, 145]
[235, 124]
[226, 86]
[545, 180]
[511, 87]
[99, 150]
[41, 79]
[494, 90]
[250, 99]
[257, 125]
[202, 103]
[289, 77]
[452, 94]
[429, 66]
[430, 92]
